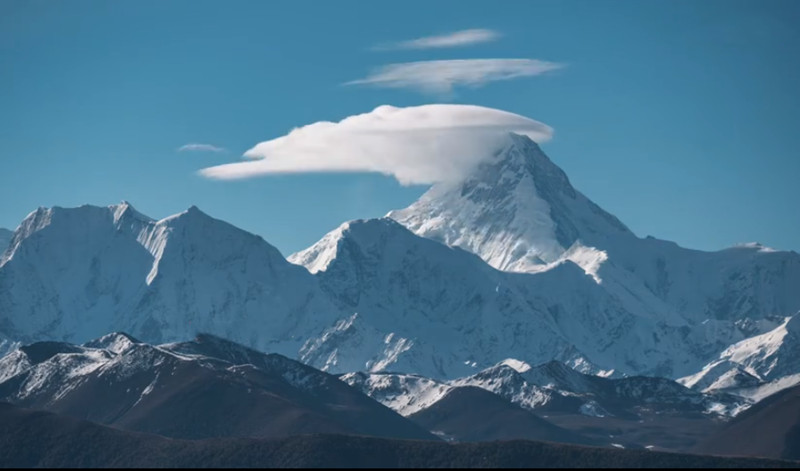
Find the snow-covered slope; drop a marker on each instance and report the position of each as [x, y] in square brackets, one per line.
[573, 285]
[754, 368]
[721, 375]
[746, 364]
[771, 355]
[405, 394]
[519, 212]
[555, 386]
[383, 298]
[552, 387]
[75, 274]
[206, 387]
[426, 308]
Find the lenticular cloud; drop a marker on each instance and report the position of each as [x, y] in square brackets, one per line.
[416, 145]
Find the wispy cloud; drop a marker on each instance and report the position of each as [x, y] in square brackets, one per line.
[443, 75]
[194, 147]
[415, 145]
[458, 38]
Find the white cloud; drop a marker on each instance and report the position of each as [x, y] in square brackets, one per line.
[441, 76]
[200, 148]
[415, 145]
[458, 38]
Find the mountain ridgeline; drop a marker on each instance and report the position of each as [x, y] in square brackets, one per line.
[510, 267]
[204, 388]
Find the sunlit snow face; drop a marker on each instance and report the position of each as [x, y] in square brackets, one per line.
[416, 145]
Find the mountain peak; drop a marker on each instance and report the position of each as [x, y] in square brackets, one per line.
[116, 342]
[125, 210]
[517, 210]
[191, 215]
[521, 156]
[361, 232]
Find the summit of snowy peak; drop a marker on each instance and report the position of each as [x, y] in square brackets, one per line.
[518, 365]
[86, 271]
[125, 210]
[360, 238]
[87, 216]
[193, 209]
[192, 213]
[517, 210]
[34, 221]
[193, 230]
[116, 342]
[406, 394]
[317, 257]
[86, 224]
[378, 247]
[374, 234]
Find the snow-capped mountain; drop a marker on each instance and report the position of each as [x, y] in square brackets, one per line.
[206, 387]
[439, 311]
[423, 307]
[721, 375]
[552, 387]
[756, 366]
[573, 285]
[406, 394]
[771, 355]
[469, 413]
[73, 274]
[387, 299]
[518, 211]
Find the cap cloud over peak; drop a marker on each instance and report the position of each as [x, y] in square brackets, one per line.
[416, 145]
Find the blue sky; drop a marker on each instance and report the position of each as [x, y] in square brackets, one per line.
[679, 117]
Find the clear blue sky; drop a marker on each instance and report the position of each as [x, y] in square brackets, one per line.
[680, 117]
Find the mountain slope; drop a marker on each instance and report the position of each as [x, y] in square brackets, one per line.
[519, 212]
[551, 388]
[771, 355]
[78, 273]
[474, 414]
[426, 308]
[403, 393]
[575, 286]
[208, 387]
[770, 429]
[42, 439]
[634, 412]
